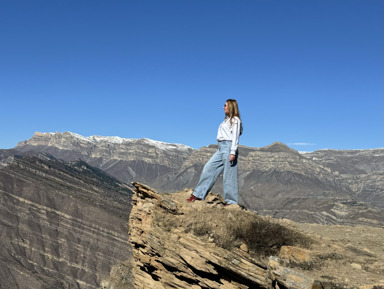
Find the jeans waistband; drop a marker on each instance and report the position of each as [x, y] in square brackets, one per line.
[224, 142]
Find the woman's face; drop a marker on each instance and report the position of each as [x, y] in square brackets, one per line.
[226, 108]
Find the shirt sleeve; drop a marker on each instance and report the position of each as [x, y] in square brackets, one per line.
[235, 135]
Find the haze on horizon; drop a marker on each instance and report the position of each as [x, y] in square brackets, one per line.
[305, 73]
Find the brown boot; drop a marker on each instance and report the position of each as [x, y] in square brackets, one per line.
[192, 198]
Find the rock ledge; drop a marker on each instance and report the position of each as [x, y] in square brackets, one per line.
[167, 254]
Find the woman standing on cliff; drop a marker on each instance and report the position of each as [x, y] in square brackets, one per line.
[225, 158]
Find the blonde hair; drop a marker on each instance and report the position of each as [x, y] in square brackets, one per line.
[233, 111]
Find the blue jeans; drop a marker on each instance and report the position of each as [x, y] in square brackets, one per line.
[212, 169]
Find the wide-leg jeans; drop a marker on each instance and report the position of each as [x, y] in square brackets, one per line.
[212, 169]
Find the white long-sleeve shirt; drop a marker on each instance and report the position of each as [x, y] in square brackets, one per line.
[231, 132]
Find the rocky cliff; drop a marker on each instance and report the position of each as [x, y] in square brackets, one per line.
[207, 245]
[125, 159]
[62, 225]
[327, 186]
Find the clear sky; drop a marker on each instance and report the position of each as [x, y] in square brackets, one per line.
[305, 73]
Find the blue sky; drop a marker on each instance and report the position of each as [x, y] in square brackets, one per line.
[305, 73]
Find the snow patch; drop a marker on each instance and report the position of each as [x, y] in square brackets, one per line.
[164, 145]
[119, 140]
[79, 136]
[111, 139]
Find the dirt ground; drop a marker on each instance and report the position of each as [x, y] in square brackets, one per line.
[353, 255]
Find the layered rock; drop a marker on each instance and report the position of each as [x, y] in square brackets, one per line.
[168, 253]
[62, 225]
[173, 259]
[177, 260]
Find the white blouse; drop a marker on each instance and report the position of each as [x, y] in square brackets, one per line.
[231, 132]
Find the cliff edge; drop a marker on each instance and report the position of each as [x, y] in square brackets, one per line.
[208, 245]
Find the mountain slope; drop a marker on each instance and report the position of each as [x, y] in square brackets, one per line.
[125, 159]
[62, 225]
[278, 181]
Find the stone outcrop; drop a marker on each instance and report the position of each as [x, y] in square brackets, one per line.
[167, 253]
[173, 259]
[177, 260]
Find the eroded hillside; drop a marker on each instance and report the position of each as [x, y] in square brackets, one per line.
[61, 225]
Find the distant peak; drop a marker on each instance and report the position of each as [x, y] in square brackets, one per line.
[277, 143]
[278, 147]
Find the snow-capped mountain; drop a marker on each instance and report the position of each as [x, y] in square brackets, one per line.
[52, 138]
[329, 186]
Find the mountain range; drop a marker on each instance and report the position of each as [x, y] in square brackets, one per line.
[325, 186]
[66, 198]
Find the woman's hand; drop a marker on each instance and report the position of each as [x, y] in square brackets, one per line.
[232, 158]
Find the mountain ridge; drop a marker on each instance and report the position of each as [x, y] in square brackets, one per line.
[274, 180]
[117, 139]
[97, 138]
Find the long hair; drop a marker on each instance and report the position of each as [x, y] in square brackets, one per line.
[233, 110]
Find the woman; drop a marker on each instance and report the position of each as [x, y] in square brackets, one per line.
[225, 158]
